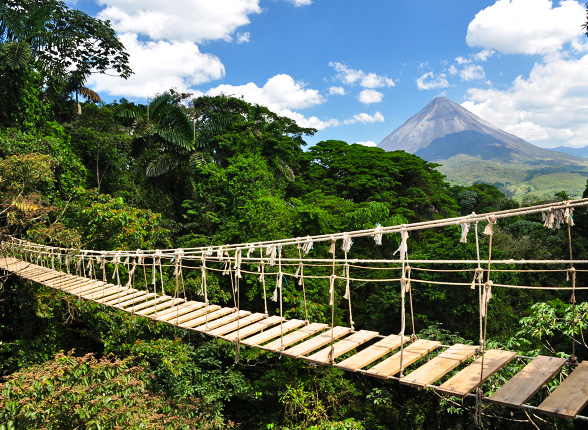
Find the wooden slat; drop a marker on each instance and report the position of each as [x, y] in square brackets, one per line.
[570, 397]
[272, 333]
[178, 311]
[243, 322]
[439, 366]
[253, 328]
[101, 293]
[294, 337]
[317, 342]
[140, 306]
[123, 295]
[469, 378]
[372, 353]
[73, 281]
[409, 355]
[323, 356]
[221, 321]
[86, 288]
[79, 285]
[58, 281]
[212, 315]
[528, 381]
[139, 297]
[195, 314]
[47, 276]
[159, 307]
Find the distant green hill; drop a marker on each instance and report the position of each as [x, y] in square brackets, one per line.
[518, 178]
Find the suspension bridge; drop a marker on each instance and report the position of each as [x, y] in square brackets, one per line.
[137, 282]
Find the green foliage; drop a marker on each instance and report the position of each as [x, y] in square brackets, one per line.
[70, 392]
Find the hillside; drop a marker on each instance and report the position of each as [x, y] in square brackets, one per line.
[470, 149]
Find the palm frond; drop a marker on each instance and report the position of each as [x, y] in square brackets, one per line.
[18, 54]
[90, 95]
[163, 164]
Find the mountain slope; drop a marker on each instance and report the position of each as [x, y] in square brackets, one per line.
[471, 149]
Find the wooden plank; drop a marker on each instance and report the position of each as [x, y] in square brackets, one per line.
[127, 293]
[317, 342]
[528, 381]
[409, 355]
[156, 299]
[71, 282]
[195, 314]
[342, 347]
[78, 284]
[159, 307]
[139, 296]
[570, 397]
[253, 328]
[372, 353]
[211, 316]
[294, 337]
[58, 281]
[221, 321]
[439, 366]
[469, 378]
[101, 293]
[272, 333]
[178, 311]
[242, 322]
[86, 288]
[47, 276]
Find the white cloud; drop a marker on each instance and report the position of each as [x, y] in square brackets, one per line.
[453, 70]
[182, 20]
[159, 66]
[312, 122]
[279, 92]
[526, 26]
[461, 60]
[299, 3]
[370, 96]
[429, 81]
[367, 143]
[338, 91]
[483, 55]
[472, 72]
[243, 37]
[367, 80]
[548, 107]
[365, 118]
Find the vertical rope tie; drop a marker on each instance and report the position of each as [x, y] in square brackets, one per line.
[261, 270]
[332, 278]
[177, 273]
[307, 246]
[300, 276]
[279, 284]
[403, 248]
[568, 218]
[271, 251]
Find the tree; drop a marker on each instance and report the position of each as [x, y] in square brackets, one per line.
[58, 47]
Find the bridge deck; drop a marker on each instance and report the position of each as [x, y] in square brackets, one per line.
[328, 346]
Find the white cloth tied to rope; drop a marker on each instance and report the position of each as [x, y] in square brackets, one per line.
[332, 248]
[178, 261]
[465, 228]
[548, 218]
[403, 248]
[488, 229]
[347, 242]
[478, 277]
[307, 246]
[378, 234]
[271, 251]
[332, 289]
[486, 296]
[278, 287]
[237, 265]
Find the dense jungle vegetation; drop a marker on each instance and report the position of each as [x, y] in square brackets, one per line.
[188, 172]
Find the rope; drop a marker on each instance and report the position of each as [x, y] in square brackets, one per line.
[300, 273]
[569, 219]
[333, 277]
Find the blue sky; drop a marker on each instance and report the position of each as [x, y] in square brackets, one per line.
[357, 69]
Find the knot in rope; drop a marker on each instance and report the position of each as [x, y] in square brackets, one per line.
[486, 296]
[237, 265]
[491, 221]
[278, 287]
[378, 234]
[250, 250]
